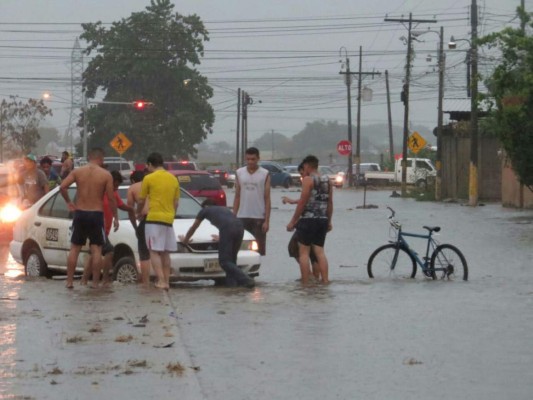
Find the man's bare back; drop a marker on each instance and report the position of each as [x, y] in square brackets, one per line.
[92, 183]
[134, 192]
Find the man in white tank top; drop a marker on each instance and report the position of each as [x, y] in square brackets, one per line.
[252, 197]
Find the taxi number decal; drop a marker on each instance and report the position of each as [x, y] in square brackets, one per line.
[52, 234]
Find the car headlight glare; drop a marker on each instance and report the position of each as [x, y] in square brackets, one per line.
[10, 213]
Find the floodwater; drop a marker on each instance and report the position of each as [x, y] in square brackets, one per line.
[355, 338]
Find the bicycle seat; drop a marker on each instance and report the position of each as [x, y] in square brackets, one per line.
[432, 228]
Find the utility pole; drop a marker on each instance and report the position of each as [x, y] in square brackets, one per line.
[359, 87]
[246, 101]
[237, 151]
[348, 80]
[442, 61]
[76, 93]
[405, 92]
[391, 143]
[523, 23]
[473, 193]
[360, 74]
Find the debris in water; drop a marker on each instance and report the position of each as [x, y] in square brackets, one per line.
[96, 329]
[164, 346]
[55, 371]
[75, 339]
[124, 338]
[175, 368]
[412, 361]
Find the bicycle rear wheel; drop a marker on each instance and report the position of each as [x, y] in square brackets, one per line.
[449, 262]
[390, 262]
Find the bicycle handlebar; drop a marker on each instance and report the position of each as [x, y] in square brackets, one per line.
[393, 213]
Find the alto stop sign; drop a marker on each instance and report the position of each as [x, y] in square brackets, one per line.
[344, 147]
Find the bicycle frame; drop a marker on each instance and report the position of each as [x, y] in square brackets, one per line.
[431, 244]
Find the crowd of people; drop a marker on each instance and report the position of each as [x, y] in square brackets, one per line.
[152, 201]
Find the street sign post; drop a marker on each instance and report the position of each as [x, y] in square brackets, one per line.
[120, 143]
[416, 142]
[344, 147]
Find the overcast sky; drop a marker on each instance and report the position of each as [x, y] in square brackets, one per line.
[283, 53]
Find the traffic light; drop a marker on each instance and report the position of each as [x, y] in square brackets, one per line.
[141, 104]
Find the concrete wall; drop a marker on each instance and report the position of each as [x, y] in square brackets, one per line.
[455, 155]
[514, 194]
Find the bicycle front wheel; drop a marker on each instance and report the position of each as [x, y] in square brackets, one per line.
[448, 261]
[390, 262]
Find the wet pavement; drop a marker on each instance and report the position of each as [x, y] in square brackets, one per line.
[356, 338]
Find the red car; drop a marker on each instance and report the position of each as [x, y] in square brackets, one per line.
[202, 185]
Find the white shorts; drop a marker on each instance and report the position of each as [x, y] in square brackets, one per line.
[160, 237]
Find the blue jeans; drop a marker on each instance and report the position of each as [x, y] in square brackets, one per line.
[230, 240]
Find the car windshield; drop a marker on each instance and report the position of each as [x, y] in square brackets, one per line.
[117, 166]
[198, 182]
[188, 206]
[291, 170]
[326, 170]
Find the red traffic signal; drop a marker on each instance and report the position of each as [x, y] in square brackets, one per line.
[141, 104]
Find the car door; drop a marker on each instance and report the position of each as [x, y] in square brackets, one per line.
[55, 225]
[274, 174]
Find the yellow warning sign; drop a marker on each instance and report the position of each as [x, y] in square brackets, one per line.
[416, 142]
[120, 143]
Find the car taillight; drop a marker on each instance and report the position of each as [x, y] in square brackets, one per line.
[226, 175]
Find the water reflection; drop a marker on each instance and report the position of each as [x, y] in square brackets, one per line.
[8, 266]
[9, 295]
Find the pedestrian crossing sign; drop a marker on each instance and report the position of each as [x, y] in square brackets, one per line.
[120, 143]
[416, 142]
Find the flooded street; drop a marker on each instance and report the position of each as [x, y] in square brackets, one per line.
[356, 338]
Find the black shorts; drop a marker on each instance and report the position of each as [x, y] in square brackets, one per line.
[312, 231]
[294, 250]
[255, 227]
[88, 225]
[144, 253]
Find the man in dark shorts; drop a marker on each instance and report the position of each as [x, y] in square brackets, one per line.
[312, 218]
[108, 248]
[93, 183]
[231, 231]
[293, 248]
[134, 190]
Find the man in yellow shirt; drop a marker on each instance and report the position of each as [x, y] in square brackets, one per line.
[162, 190]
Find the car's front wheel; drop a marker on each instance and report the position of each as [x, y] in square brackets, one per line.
[126, 270]
[34, 264]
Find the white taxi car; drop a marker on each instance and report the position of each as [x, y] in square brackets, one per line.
[41, 241]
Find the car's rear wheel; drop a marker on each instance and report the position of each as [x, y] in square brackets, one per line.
[34, 264]
[126, 270]
[287, 183]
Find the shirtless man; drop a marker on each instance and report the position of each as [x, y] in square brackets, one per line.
[93, 182]
[134, 192]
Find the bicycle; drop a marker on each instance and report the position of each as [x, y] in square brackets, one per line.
[398, 259]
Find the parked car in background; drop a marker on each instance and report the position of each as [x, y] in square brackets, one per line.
[278, 176]
[41, 242]
[202, 185]
[334, 178]
[180, 165]
[296, 178]
[120, 164]
[221, 173]
[230, 182]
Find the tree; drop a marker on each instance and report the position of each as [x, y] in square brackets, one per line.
[19, 124]
[510, 89]
[47, 135]
[149, 56]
